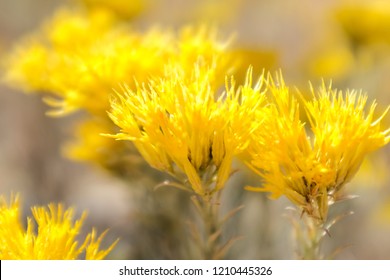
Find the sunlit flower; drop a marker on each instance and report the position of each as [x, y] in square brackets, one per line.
[53, 238]
[311, 169]
[180, 124]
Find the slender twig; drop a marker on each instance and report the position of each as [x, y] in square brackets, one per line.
[210, 228]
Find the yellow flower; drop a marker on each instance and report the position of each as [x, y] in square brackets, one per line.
[333, 58]
[200, 44]
[119, 157]
[343, 131]
[310, 170]
[258, 57]
[366, 22]
[80, 58]
[121, 8]
[180, 125]
[54, 238]
[381, 213]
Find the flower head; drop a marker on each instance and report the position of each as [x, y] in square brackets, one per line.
[311, 169]
[180, 124]
[53, 239]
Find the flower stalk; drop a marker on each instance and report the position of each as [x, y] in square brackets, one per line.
[207, 208]
[308, 233]
[207, 233]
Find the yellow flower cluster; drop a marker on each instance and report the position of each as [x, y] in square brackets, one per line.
[53, 239]
[169, 102]
[180, 122]
[121, 9]
[79, 58]
[310, 168]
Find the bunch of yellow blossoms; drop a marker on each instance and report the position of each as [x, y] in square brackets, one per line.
[311, 167]
[178, 121]
[78, 58]
[53, 239]
[164, 92]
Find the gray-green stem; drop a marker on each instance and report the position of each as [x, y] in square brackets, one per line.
[308, 234]
[209, 231]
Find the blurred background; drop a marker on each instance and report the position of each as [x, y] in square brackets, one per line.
[347, 42]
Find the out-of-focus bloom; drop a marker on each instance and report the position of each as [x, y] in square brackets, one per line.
[119, 157]
[53, 239]
[381, 213]
[123, 9]
[366, 22]
[311, 169]
[201, 45]
[216, 11]
[81, 58]
[180, 124]
[256, 56]
[89, 145]
[331, 60]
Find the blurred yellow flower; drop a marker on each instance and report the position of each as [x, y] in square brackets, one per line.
[79, 58]
[311, 169]
[91, 146]
[119, 157]
[381, 213]
[216, 11]
[366, 21]
[201, 44]
[124, 9]
[180, 124]
[258, 58]
[53, 239]
[331, 60]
